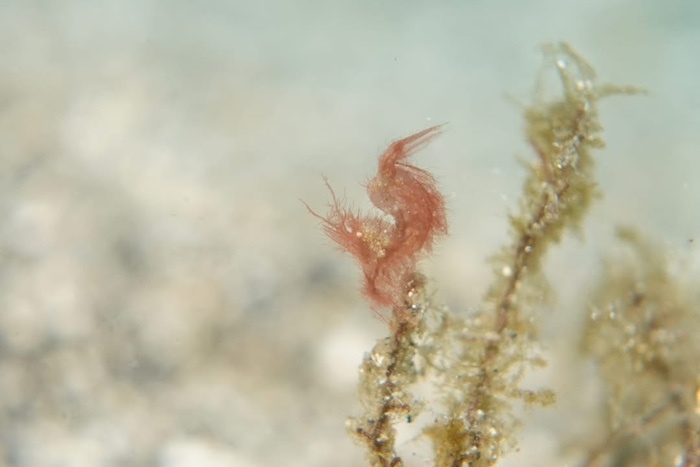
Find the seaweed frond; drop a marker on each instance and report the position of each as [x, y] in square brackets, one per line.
[642, 333]
[560, 187]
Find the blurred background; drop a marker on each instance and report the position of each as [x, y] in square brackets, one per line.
[165, 297]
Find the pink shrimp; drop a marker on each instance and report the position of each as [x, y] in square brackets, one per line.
[388, 251]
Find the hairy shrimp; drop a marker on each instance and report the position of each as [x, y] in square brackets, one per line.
[388, 247]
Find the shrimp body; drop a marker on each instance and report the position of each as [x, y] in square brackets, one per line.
[388, 249]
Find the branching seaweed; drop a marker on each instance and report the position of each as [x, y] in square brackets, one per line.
[558, 193]
[643, 329]
[476, 363]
